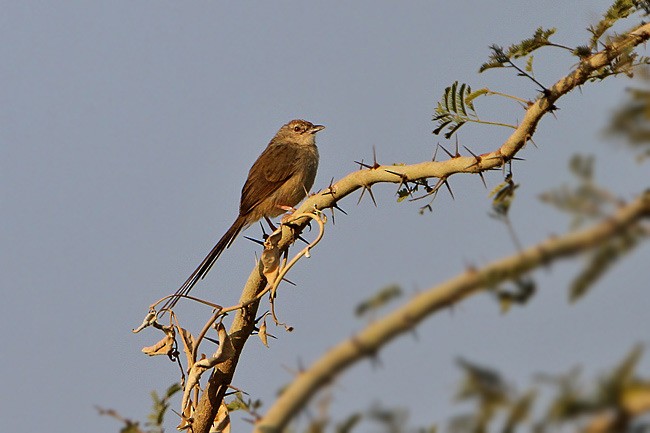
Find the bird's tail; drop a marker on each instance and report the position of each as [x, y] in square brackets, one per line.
[205, 266]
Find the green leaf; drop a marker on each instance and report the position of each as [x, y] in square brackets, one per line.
[441, 127]
[529, 65]
[454, 98]
[381, 298]
[463, 89]
[527, 46]
[446, 99]
[454, 129]
[473, 95]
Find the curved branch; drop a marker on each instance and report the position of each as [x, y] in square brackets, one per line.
[405, 318]
[244, 321]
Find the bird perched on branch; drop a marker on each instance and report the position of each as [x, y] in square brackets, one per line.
[277, 181]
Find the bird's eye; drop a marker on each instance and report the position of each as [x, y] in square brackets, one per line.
[296, 128]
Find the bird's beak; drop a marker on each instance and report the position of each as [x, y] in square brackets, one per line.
[314, 129]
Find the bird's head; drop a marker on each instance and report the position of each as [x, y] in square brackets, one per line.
[299, 131]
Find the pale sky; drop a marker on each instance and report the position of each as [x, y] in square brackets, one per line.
[127, 130]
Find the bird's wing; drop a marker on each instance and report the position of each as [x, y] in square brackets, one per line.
[275, 165]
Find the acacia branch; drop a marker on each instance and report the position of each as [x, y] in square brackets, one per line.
[405, 318]
[244, 321]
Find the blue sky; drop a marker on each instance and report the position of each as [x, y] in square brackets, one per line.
[127, 130]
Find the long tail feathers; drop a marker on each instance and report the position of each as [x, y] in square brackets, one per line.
[205, 266]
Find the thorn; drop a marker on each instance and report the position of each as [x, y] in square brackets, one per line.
[473, 154]
[403, 181]
[374, 158]
[293, 226]
[363, 191]
[394, 172]
[446, 151]
[257, 241]
[374, 165]
[449, 188]
[330, 188]
[289, 281]
[432, 191]
[366, 187]
[483, 179]
[478, 159]
[212, 340]
[457, 154]
[362, 165]
[335, 205]
[435, 153]
[268, 221]
[372, 196]
[264, 234]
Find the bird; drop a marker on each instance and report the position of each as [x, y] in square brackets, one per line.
[278, 180]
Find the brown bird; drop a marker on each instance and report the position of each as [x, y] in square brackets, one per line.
[279, 179]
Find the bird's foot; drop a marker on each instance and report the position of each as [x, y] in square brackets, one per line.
[289, 215]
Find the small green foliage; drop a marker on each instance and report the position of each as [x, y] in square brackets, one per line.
[380, 299]
[501, 408]
[571, 400]
[614, 394]
[501, 58]
[619, 10]
[519, 411]
[492, 404]
[390, 419]
[503, 195]
[490, 392]
[588, 201]
[529, 65]
[160, 406]
[520, 293]
[498, 59]
[612, 385]
[582, 51]
[245, 404]
[626, 64]
[601, 260]
[457, 108]
[402, 194]
[643, 5]
[473, 95]
[348, 424]
[585, 201]
[481, 383]
[582, 167]
[451, 112]
[155, 418]
[414, 187]
[631, 120]
[527, 46]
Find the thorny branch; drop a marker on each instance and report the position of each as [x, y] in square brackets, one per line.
[368, 341]
[245, 318]
[274, 272]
